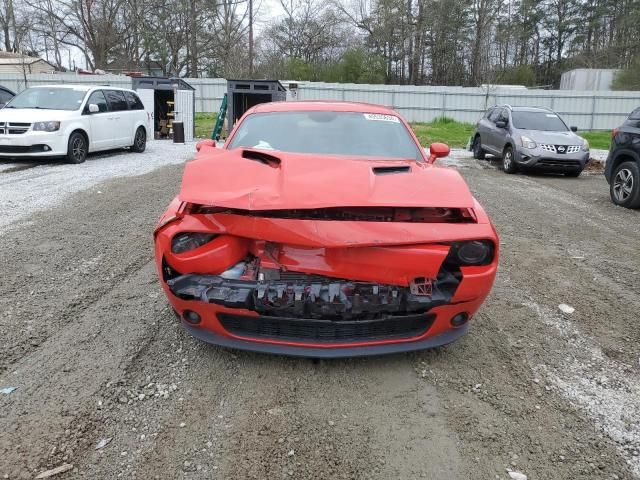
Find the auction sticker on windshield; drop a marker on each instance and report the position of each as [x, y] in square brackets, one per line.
[381, 118]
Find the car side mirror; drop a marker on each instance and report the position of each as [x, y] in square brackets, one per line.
[208, 143]
[501, 124]
[574, 129]
[438, 150]
[93, 108]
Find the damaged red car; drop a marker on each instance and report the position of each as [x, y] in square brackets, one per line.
[323, 229]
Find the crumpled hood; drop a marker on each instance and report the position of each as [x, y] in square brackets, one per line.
[299, 181]
[553, 138]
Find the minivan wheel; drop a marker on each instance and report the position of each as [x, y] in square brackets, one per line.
[625, 185]
[77, 148]
[478, 152]
[139, 141]
[508, 165]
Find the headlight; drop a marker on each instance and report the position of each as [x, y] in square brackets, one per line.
[46, 126]
[183, 242]
[585, 146]
[474, 252]
[526, 142]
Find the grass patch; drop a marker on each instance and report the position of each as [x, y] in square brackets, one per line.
[204, 124]
[445, 130]
[597, 139]
[442, 129]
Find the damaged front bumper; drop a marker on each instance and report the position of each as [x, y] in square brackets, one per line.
[328, 299]
[332, 293]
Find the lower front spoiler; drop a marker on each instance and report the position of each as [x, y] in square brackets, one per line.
[552, 163]
[331, 352]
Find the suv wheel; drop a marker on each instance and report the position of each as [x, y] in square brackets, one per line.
[139, 141]
[508, 165]
[478, 152]
[77, 148]
[625, 185]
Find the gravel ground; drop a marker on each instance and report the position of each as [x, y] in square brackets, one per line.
[43, 184]
[98, 359]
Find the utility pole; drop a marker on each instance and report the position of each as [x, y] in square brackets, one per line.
[250, 38]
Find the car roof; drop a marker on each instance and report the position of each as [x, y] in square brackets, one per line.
[530, 109]
[322, 105]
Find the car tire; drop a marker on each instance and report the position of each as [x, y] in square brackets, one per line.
[139, 141]
[625, 185]
[575, 173]
[508, 164]
[77, 148]
[478, 152]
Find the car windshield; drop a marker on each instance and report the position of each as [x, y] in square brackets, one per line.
[49, 98]
[545, 121]
[328, 133]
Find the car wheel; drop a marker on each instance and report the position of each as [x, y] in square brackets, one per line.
[508, 165]
[575, 173]
[625, 185]
[478, 152]
[77, 148]
[139, 141]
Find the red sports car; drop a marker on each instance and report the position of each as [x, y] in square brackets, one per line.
[322, 229]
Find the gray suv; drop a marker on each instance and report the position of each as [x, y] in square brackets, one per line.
[530, 138]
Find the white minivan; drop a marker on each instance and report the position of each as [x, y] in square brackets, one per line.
[70, 121]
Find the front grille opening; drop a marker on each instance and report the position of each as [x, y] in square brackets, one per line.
[358, 214]
[557, 163]
[326, 331]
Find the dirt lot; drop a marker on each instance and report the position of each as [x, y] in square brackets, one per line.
[88, 340]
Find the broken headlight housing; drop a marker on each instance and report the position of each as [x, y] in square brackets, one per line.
[46, 126]
[471, 253]
[185, 241]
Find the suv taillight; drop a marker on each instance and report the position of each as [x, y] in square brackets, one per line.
[614, 132]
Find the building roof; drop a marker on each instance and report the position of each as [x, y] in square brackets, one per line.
[323, 105]
[79, 86]
[22, 61]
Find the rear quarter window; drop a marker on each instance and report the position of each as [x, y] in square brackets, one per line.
[116, 100]
[134, 101]
[633, 120]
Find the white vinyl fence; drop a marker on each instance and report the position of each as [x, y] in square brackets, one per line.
[586, 110]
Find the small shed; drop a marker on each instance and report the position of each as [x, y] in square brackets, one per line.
[589, 79]
[18, 63]
[167, 100]
[244, 94]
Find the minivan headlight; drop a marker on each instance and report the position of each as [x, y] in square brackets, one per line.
[585, 145]
[526, 142]
[46, 126]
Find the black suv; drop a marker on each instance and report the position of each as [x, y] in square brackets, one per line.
[622, 169]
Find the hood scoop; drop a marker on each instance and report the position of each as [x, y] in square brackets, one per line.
[262, 157]
[391, 170]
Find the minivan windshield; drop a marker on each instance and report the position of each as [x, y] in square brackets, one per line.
[328, 133]
[545, 121]
[49, 98]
